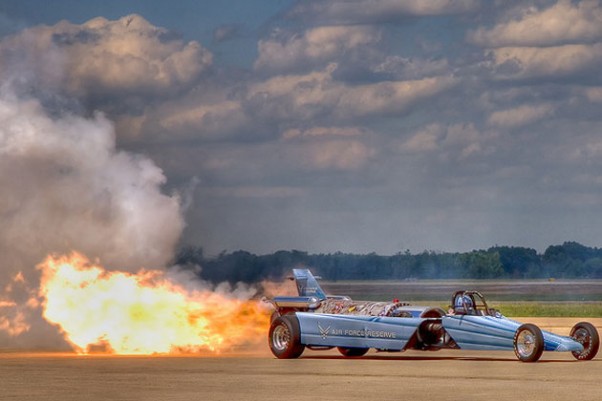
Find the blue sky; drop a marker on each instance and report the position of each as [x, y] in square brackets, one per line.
[353, 126]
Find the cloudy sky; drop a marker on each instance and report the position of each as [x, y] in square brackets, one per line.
[355, 125]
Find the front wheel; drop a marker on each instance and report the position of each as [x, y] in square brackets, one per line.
[352, 351]
[285, 337]
[586, 334]
[528, 343]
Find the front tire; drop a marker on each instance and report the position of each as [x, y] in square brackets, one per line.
[285, 337]
[348, 352]
[528, 343]
[586, 334]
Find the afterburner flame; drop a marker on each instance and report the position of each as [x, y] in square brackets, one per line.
[142, 313]
[13, 316]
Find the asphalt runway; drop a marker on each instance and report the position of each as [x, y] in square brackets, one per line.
[256, 375]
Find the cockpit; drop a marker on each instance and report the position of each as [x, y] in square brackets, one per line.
[470, 303]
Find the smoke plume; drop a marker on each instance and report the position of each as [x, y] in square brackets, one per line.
[66, 187]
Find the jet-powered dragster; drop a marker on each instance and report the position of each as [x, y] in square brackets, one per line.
[318, 321]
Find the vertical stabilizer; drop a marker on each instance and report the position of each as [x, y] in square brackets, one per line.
[307, 285]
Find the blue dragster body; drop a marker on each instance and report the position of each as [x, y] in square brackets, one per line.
[394, 334]
[317, 321]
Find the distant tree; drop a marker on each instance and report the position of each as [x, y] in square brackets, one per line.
[402, 265]
[593, 268]
[517, 262]
[567, 260]
[482, 265]
[572, 250]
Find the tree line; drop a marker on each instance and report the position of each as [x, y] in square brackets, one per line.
[570, 260]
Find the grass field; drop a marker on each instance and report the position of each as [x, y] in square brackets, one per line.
[536, 309]
[551, 309]
[559, 298]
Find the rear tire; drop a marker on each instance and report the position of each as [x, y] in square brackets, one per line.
[586, 334]
[348, 352]
[285, 337]
[528, 343]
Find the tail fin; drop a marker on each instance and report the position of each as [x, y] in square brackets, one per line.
[307, 285]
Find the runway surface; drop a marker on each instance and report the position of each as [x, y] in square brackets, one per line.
[256, 375]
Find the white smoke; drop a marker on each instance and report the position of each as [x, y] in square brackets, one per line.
[65, 186]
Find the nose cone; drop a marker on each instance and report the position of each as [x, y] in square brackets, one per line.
[568, 344]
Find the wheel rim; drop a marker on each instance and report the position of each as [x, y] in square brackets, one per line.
[525, 344]
[281, 337]
[582, 336]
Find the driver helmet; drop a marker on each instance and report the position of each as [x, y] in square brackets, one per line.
[464, 301]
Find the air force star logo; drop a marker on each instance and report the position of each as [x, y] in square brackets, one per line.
[324, 331]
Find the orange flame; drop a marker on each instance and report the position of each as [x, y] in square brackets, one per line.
[13, 316]
[15, 324]
[142, 313]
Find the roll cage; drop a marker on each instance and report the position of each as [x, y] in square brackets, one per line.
[470, 303]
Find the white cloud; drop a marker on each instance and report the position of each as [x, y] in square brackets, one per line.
[554, 62]
[411, 67]
[203, 115]
[389, 97]
[128, 56]
[322, 132]
[306, 96]
[315, 46]
[522, 115]
[311, 85]
[335, 154]
[455, 141]
[565, 22]
[424, 140]
[267, 108]
[327, 148]
[208, 120]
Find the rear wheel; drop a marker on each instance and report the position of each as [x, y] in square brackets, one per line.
[586, 334]
[285, 337]
[352, 351]
[528, 343]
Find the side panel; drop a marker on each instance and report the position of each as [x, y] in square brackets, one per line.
[493, 333]
[481, 332]
[390, 333]
[554, 342]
